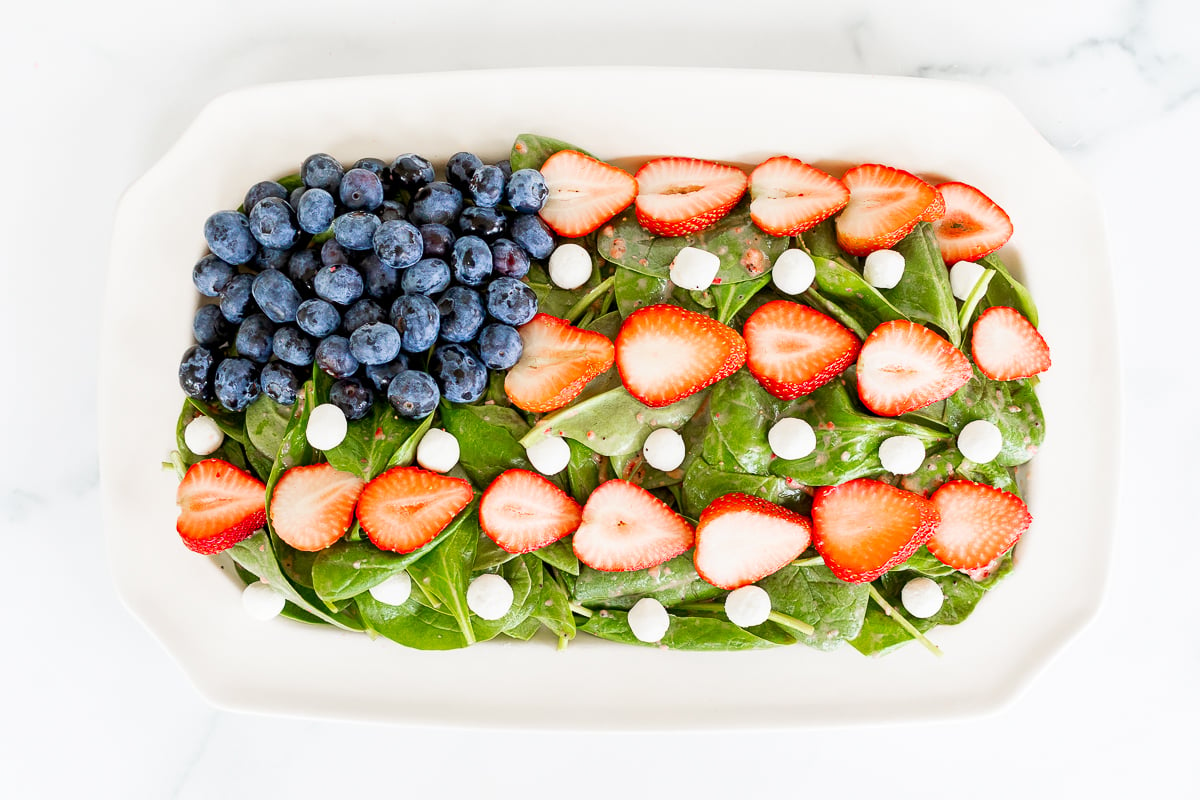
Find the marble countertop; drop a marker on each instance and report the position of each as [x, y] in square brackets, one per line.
[94, 94]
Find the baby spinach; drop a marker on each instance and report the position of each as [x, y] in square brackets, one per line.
[923, 293]
[443, 573]
[553, 300]
[255, 554]
[371, 442]
[522, 573]
[230, 449]
[1014, 408]
[349, 568]
[671, 583]
[815, 595]
[530, 151]
[702, 633]
[406, 453]
[266, 421]
[1005, 290]
[414, 623]
[525, 630]
[553, 607]
[584, 471]
[487, 439]
[560, 555]
[704, 483]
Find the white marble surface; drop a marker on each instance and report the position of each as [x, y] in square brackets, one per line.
[94, 93]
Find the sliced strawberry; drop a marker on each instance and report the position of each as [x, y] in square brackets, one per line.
[979, 523]
[864, 527]
[787, 196]
[792, 349]
[741, 538]
[626, 528]
[406, 507]
[1006, 346]
[885, 205]
[584, 193]
[935, 210]
[557, 361]
[219, 506]
[677, 196]
[903, 366]
[313, 506]
[666, 353]
[522, 511]
[972, 226]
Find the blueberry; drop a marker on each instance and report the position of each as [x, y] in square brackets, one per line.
[398, 244]
[294, 198]
[486, 186]
[376, 166]
[322, 171]
[379, 279]
[334, 357]
[391, 210]
[505, 168]
[341, 284]
[315, 211]
[236, 383]
[236, 298]
[273, 223]
[211, 274]
[381, 375]
[352, 396]
[270, 258]
[364, 312]
[261, 191]
[209, 327]
[438, 240]
[471, 261]
[535, 236]
[318, 318]
[427, 276]
[500, 346]
[196, 372]
[511, 301]
[361, 190]
[461, 376]
[254, 338]
[462, 314]
[411, 172]
[416, 317]
[460, 167]
[435, 202]
[303, 266]
[276, 295]
[292, 346]
[229, 238]
[333, 253]
[375, 343]
[509, 259]
[526, 191]
[486, 222]
[413, 394]
[280, 382]
[355, 230]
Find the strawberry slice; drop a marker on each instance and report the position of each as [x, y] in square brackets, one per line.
[741, 538]
[666, 353]
[313, 506]
[793, 349]
[1006, 346]
[936, 210]
[903, 366]
[787, 196]
[219, 506]
[972, 226]
[406, 507]
[864, 527]
[885, 205]
[522, 511]
[979, 523]
[584, 193]
[626, 528]
[677, 196]
[557, 361]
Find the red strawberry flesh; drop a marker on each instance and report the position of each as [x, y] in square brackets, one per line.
[1006, 346]
[313, 506]
[219, 506]
[583, 192]
[979, 523]
[677, 196]
[557, 361]
[741, 538]
[788, 197]
[903, 367]
[625, 528]
[406, 507]
[522, 511]
[972, 227]
[793, 349]
[885, 205]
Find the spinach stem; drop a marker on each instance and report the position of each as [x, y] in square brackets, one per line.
[562, 643]
[901, 620]
[579, 609]
[791, 622]
[815, 561]
[590, 297]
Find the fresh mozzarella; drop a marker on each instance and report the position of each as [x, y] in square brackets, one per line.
[694, 268]
[438, 450]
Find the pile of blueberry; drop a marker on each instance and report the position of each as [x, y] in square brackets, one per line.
[394, 283]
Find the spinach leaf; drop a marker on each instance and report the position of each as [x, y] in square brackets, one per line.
[560, 555]
[489, 555]
[635, 290]
[671, 583]
[348, 568]
[552, 299]
[553, 607]
[742, 412]
[266, 422]
[414, 623]
[406, 453]
[704, 483]
[256, 555]
[703, 633]
[1014, 408]
[814, 595]
[443, 573]
[230, 449]
[371, 441]
[530, 151]
[849, 289]
[1005, 290]
[488, 439]
[520, 573]
[731, 298]
[231, 423]
[583, 471]
[923, 293]
[525, 631]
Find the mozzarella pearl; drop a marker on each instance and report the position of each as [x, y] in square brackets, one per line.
[694, 268]
[326, 427]
[549, 456]
[570, 266]
[649, 620]
[793, 272]
[980, 441]
[261, 601]
[437, 451]
[901, 455]
[748, 606]
[963, 277]
[922, 597]
[394, 591]
[792, 437]
[489, 596]
[202, 436]
[883, 269]
[664, 449]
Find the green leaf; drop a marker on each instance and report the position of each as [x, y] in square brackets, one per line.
[443, 573]
[372, 441]
[552, 299]
[704, 483]
[923, 293]
[266, 421]
[741, 412]
[520, 573]
[256, 555]
[731, 298]
[702, 633]
[814, 595]
[230, 449]
[845, 285]
[671, 583]
[553, 608]
[231, 423]
[1005, 290]
[414, 623]
[583, 471]
[635, 290]
[406, 453]
[1014, 408]
[349, 568]
[530, 151]
[487, 439]
[559, 555]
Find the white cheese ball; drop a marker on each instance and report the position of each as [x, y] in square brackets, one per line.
[649, 620]
[748, 606]
[883, 269]
[922, 597]
[963, 277]
[980, 441]
[261, 601]
[794, 271]
[664, 449]
[489, 596]
[792, 437]
[549, 456]
[202, 436]
[326, 427]
[694, 268]
[901, 455]
[570, 266]
[437, 451]
[394, 591]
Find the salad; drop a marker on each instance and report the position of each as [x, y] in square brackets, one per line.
[692, 406]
